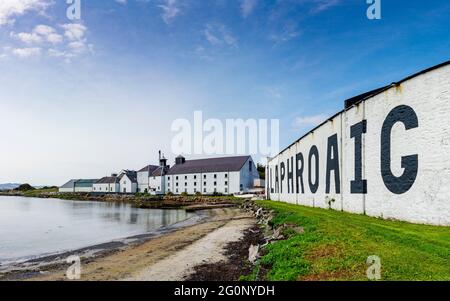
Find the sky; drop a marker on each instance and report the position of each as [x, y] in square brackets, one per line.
[86, 98]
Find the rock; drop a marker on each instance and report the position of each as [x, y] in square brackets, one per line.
[253, 253]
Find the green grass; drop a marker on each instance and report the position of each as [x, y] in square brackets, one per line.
[336, 245]
[38, 192]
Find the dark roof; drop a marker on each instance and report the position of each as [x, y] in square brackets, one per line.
[107, 180]
[149, 168]
[209, 165]
[69, 184]
[157, 172]
[131, 174]
[360, 98]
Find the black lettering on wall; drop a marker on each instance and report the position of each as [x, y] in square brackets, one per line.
[358, 186]
[283, 175]
[277, 181]
[410, 164]
[333, 164]
[290, 175]
[313, 186]
[299, 172]
[270, 170]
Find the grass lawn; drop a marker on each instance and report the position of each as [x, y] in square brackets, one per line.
[336, 245]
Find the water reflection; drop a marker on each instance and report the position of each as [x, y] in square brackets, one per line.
[30, 227]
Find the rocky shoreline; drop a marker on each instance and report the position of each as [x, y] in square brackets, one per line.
[190, 203]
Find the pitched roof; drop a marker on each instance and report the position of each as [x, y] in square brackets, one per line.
[107, 180]
[69, 184]
[149, 168]
[209, 165]
[131, 174]
[157, 172]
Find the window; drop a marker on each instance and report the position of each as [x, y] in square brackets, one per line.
[242, 187]
[215, 190]
[204, 183]
[195, 177]
[204, 177]
[168, 178]
[185, 184]
[185, 177]
[195, 190]
[176, 184]
[195, 183]
[168, 184]
[215, 183]
[226, 190]
[159, 188]
[226, 175]
[226, 183]
[215, 176]
[250, 166]
[176, 178]
[94, 188]
[185, 190]
[124, 182]
[177, 190]
[110, 188]
[204, 190]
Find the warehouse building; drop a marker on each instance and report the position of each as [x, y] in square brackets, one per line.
[78, 185]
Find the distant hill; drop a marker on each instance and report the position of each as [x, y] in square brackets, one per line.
[9, 186]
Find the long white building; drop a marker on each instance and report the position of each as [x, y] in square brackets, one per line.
[227, 175]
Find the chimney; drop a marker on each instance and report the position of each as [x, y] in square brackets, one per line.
[162, 160]
[180, 160]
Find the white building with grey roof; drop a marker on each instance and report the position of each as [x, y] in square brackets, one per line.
[227, 175]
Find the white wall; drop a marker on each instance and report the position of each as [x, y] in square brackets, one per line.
[143, 181]
[426, 198]
[127, 186]
[225, 183]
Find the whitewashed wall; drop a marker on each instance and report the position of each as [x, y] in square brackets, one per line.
[427, 200]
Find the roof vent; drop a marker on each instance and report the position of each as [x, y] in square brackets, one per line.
[180, 160]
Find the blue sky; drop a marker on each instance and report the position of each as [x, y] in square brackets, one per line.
[90, 97]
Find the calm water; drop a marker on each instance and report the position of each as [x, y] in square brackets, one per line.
[31, 227]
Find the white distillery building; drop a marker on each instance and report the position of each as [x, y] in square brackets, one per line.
[229, 175]
[125, 182]
[78, 185]
[151, 179]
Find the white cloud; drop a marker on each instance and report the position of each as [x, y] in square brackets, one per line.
[170, 10]
[9, 9]
[308, 121]
[26, 52]
[218, 34]
[40, 34]
[247, 7]
[123, 2]
[321, 5]
[74, 31]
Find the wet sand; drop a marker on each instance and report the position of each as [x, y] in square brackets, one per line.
[169, 256]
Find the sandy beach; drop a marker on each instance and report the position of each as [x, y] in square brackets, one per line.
[169, 256]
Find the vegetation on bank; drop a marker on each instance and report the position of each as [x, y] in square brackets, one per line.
[138, 200]
[336, 245]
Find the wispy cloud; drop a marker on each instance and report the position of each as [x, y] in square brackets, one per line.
[247, 7]
[322, 5]
[306, 122]
[219, 35]
[170, 10]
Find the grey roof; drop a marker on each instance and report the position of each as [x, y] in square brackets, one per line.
[107, 180]
[209, 165]
[69, 184]
[85, 182]
[157, 172]
[149, 168]
[131, 174]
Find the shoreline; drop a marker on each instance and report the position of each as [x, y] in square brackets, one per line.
[135, 258]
